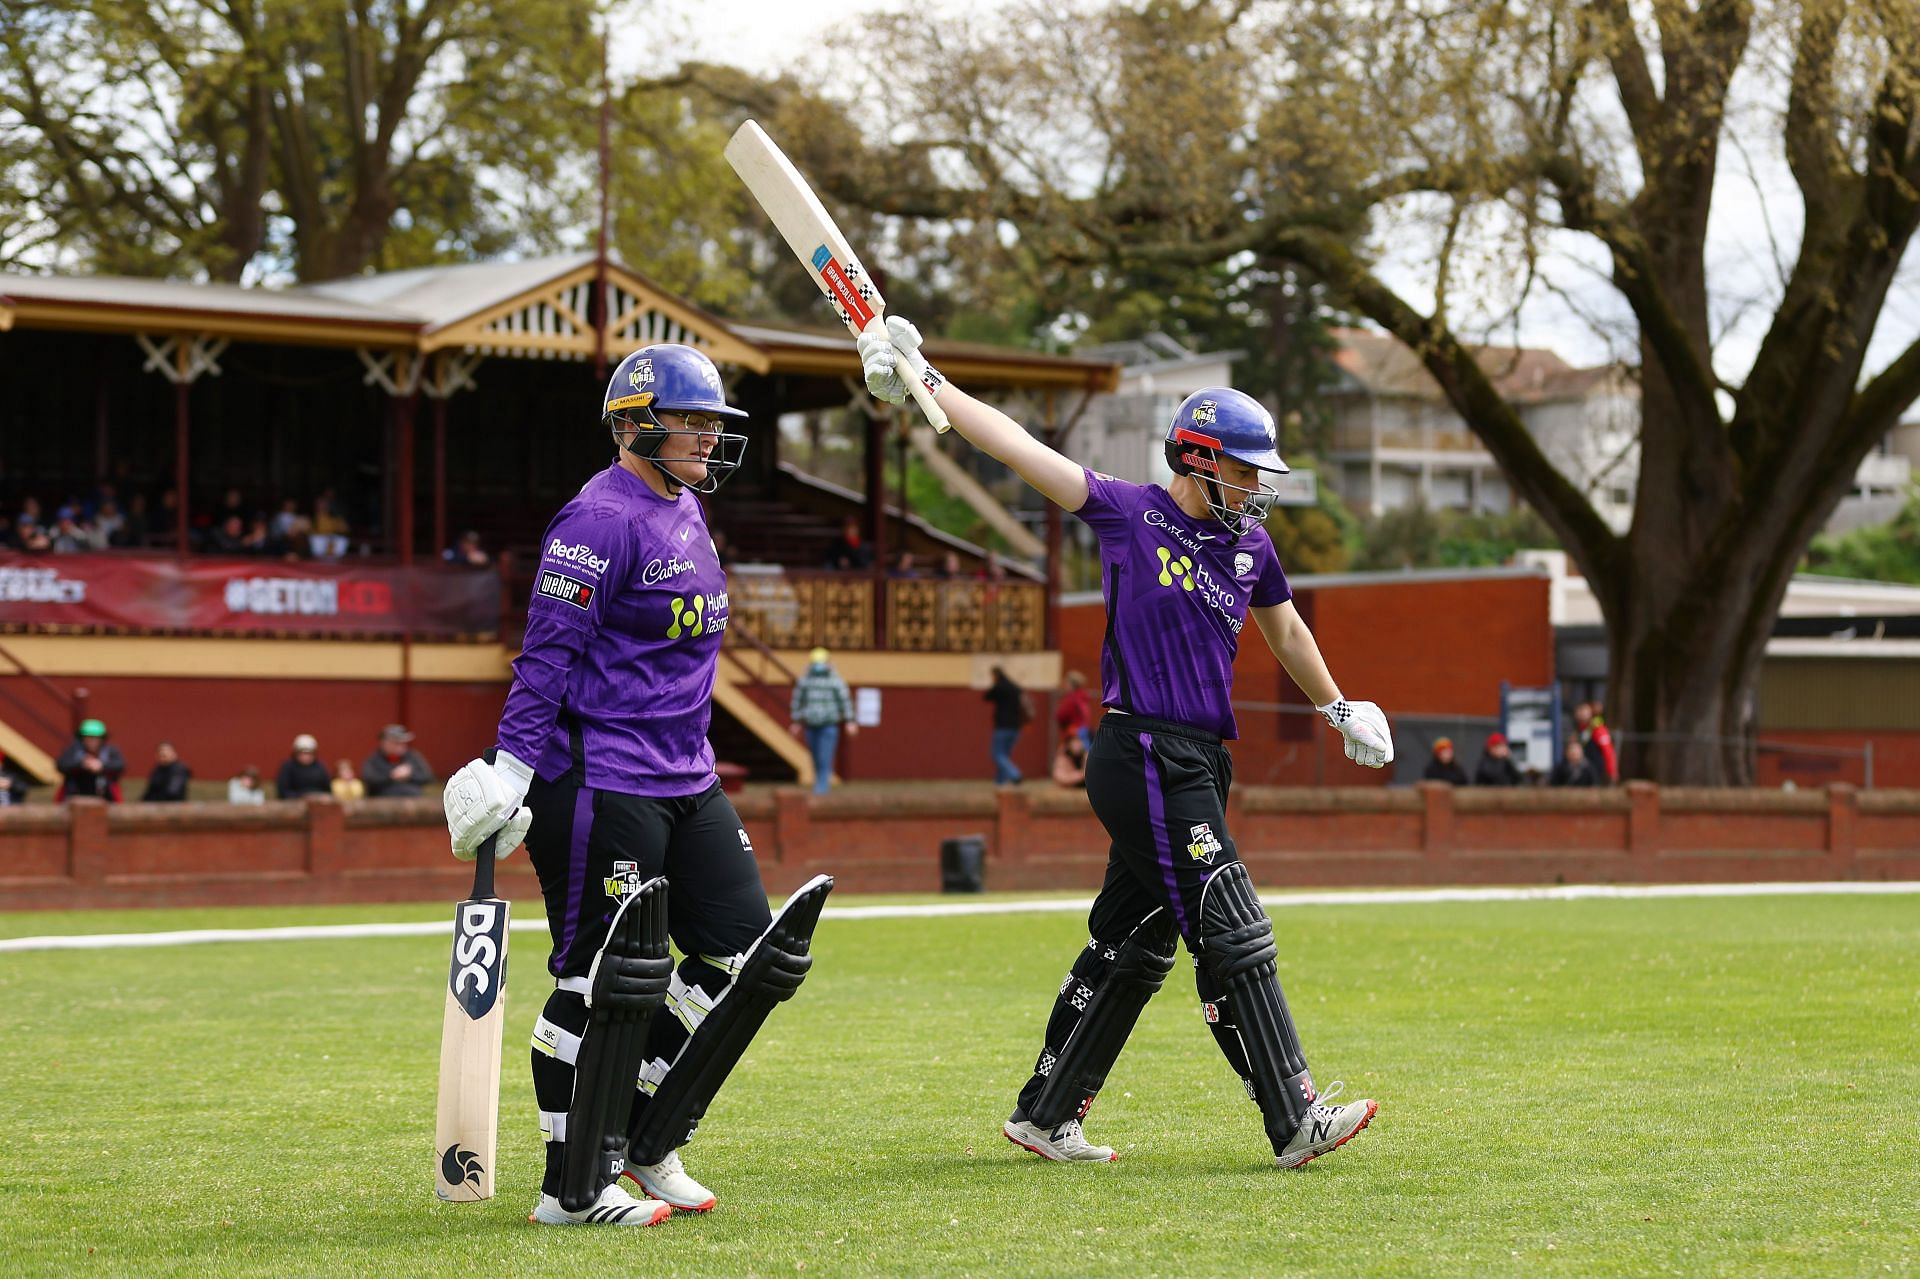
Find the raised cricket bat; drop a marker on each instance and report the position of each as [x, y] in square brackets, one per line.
[468, 1128]
[811, 233]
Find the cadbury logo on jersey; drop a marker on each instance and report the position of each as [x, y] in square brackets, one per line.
[568, 590]
[579, 553]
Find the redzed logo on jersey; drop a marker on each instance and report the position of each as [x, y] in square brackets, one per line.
[568, 590]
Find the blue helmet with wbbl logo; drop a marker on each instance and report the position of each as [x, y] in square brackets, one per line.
[668, 377]
[1216, 422]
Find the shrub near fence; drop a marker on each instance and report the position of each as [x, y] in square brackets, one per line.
[88, 854]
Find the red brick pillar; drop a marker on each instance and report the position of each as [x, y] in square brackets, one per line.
[1012, 818]
[792, 826]
[87, 855]
[1643, 819]
[1843, 811]
[1436, 826]
[326, 836]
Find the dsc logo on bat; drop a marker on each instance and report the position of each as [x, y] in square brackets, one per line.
[477, 950]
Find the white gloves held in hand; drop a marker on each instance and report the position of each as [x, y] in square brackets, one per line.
[1364, 725]
[483, 798]
[880, 358]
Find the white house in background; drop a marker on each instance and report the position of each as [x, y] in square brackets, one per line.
[1396, 440]
[1123, 434]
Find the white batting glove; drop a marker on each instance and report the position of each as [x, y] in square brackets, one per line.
[880, 358]
[483, 798]
[1364, 725]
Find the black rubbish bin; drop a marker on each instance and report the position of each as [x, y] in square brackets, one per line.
[963, 864]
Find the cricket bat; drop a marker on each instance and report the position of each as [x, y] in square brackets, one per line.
[810, 232]
[468, 1127]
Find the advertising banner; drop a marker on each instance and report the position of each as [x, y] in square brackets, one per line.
[245, 596]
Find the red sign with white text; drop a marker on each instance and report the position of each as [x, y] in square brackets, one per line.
[238, 596]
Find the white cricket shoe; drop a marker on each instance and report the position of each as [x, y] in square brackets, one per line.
[614, 1207]
[668, 1182]
[1327, 1127]
[1062, 1144]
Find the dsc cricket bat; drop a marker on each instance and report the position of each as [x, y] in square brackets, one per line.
[814, 238]
[468, 1126]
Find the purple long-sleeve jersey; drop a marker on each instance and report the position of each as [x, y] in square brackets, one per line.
[623, 637]
[1177, 592]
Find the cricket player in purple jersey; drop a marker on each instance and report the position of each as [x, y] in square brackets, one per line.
[1183, 568]
[603, 767]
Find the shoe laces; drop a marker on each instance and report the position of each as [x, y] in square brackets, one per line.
[1068, 1135]
[1324, 1102]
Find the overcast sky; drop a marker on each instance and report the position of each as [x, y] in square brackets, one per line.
[1755, 205]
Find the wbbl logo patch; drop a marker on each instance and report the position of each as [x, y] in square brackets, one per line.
[641, 373]
[568, 590]
[1203, 845]
[624, 880]
[1204, 413]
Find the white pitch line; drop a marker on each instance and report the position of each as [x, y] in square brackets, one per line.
[1066, 905]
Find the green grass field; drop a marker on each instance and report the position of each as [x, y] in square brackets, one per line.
[1725, 1087]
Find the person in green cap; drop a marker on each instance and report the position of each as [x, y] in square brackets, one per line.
[91, 765]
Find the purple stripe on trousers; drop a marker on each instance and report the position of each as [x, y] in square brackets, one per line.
[576, 872]
[1157, 816]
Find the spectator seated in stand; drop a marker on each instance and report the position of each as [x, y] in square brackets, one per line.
[245, 788]
[1443, 767]
[328, 541]
[467, 552]
[91, 765]
[167, 783]
[395, 770]
[29, 536]
[229, 537]
[905, 565]
[951, 567]
[302, 773]
[345, 785]
[849, 552]
[1496, 767]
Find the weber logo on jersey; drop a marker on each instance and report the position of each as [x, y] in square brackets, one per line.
[568, 590]
[479, 957]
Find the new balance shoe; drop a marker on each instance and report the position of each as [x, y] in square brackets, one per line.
[614, 1207]
[1064, 1143]
[1326, 1127]
[668, 1182]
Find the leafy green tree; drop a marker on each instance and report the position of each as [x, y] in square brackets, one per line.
[1887, 552]
[232, 136]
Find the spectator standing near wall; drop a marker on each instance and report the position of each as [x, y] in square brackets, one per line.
[1074, 715]
[395, 770]
[1574, 768]
[1443, 767]
[245, 788]
[302, 773]
[1496, 767]
[14, 784]
[91, 765]
[821, 706]
[167, 783]
[1597, 742]
[1010, 714]
[346, 786]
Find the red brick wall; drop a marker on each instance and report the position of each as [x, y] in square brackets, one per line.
[1416, 647]
[86, 854]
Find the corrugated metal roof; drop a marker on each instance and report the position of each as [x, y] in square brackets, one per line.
[184, 295]
[437, 296]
